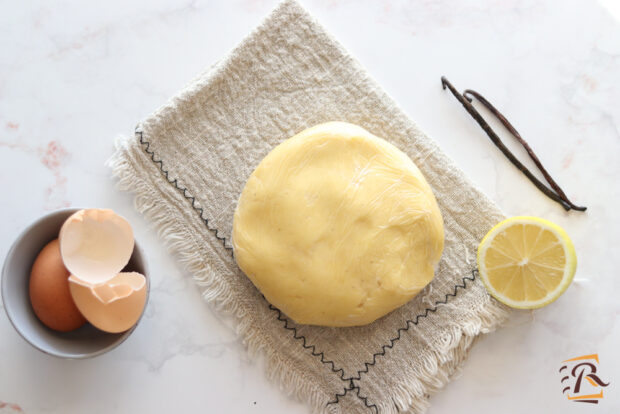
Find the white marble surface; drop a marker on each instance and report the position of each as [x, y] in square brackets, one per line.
[74, 75]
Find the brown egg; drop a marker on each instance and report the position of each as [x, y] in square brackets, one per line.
[49, 291]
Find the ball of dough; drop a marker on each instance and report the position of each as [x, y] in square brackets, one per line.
[337, 227]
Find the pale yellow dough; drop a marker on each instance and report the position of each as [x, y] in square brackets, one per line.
[337, 227]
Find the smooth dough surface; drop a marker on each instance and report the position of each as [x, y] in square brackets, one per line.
[337, 227]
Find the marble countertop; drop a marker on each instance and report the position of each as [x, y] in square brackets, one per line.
[73, 76]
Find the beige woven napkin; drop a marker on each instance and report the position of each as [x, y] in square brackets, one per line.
[189, 161]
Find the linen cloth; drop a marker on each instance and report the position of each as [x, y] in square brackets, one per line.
[188, 162]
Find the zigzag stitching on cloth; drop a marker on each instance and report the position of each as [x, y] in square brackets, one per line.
[146, 145]
[412, 322]
[409, 323]
[352, 387]
[311, 348]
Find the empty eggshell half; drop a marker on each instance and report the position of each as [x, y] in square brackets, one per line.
[95, 244]
[113, 306]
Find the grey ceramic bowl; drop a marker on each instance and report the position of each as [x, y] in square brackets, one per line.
[84, 342]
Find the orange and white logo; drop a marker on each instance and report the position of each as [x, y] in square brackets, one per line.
[580, 379]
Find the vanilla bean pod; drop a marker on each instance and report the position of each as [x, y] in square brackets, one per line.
[524, 143]
[557, 195]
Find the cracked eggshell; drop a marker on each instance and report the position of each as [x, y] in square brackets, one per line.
[113, 306]
[96, 244]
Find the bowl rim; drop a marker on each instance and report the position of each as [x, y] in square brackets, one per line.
[4, 282]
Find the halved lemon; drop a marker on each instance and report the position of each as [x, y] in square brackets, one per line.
[526, 262]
